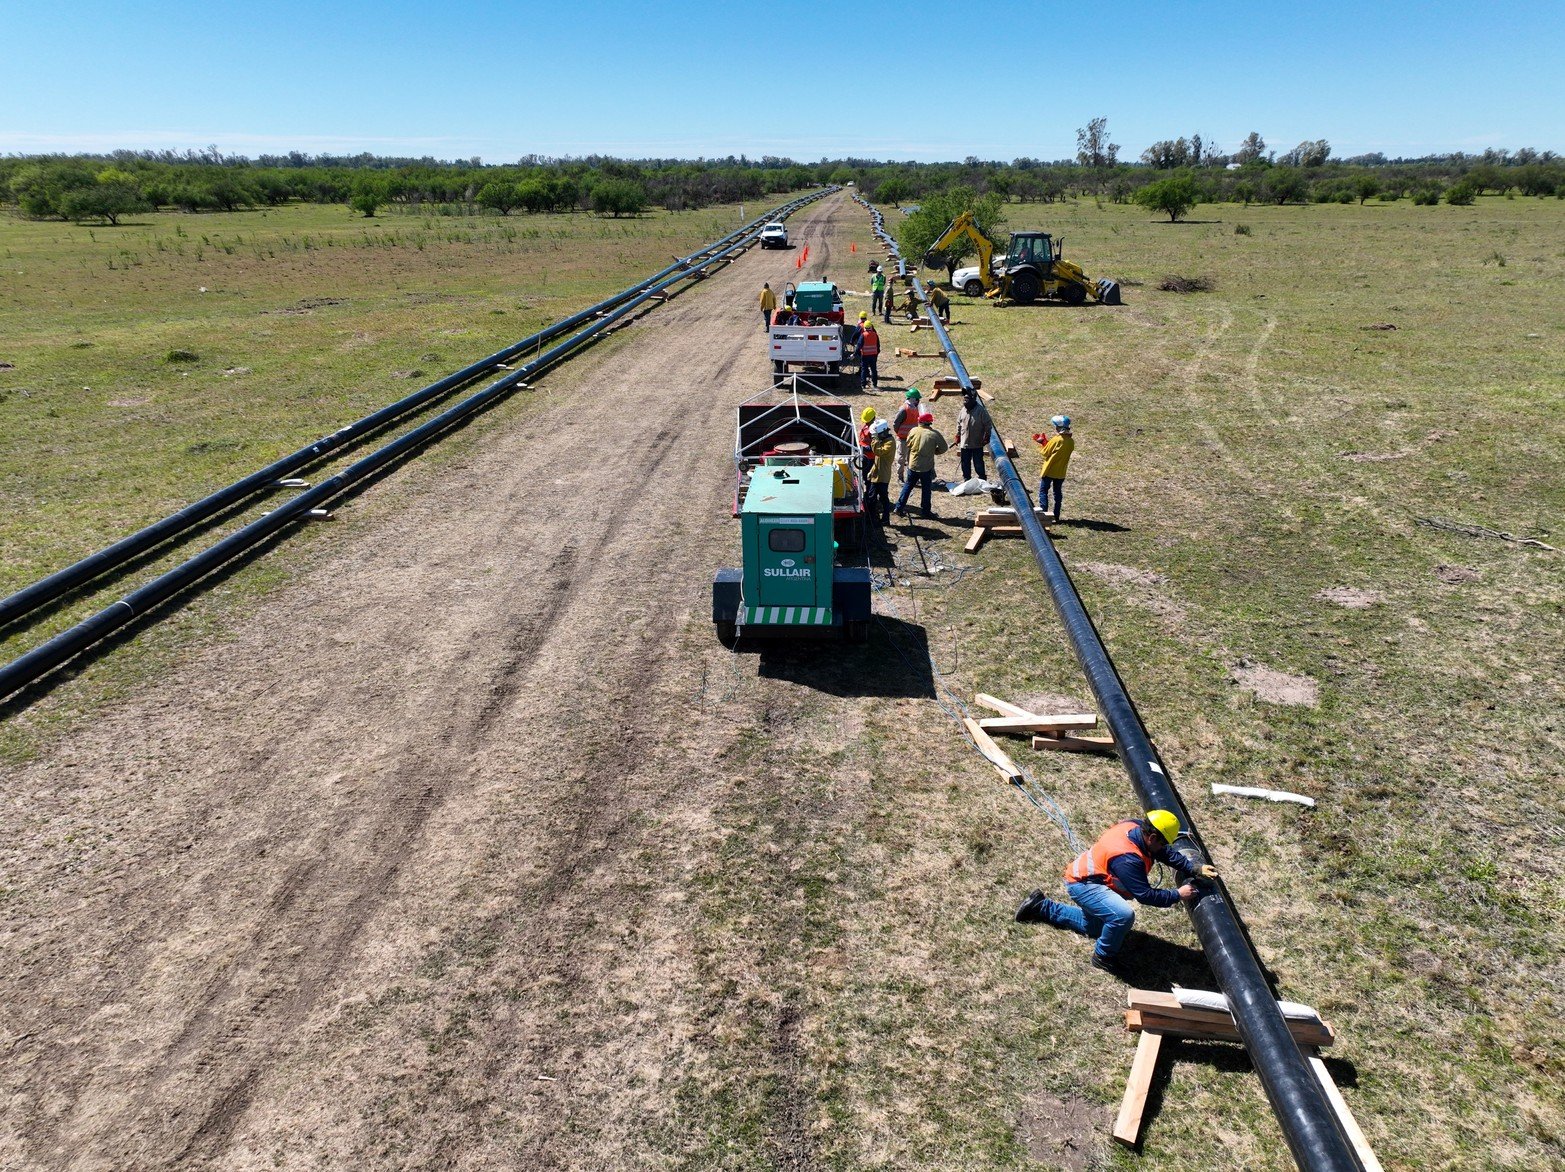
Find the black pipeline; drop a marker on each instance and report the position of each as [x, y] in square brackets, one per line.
[61, 582]
[1309, 1124]
[48, 655]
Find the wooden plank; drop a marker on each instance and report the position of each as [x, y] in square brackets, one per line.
[1168, 1005]
[1350, 1125]
[991, 519]
[1065, 743]
[999, 705]
[1038, 724]
[949, 382]
[1127, 1127]
[983, 394]
[989, 749]
[1306, 1033]
[977, 539]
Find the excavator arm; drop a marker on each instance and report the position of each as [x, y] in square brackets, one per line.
[964, 225]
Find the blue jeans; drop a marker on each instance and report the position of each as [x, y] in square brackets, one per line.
[877, 300]
[1059, 494]
[1099, 914]
[877, 501]
[869, 370]
[973, 458]
[925, 481]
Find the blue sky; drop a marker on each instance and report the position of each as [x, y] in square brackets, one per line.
[926, 81]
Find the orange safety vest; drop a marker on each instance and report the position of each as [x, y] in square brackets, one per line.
[1092, 865]
[906, 421]
[869, 342]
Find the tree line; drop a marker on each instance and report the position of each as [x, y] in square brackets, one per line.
[1171, 176]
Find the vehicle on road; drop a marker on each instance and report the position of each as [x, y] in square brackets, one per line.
[774, 235]
[800, 503]
[808, 339]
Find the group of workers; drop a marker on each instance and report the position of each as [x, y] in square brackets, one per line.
[1109, 877]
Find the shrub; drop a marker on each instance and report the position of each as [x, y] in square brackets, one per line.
[619, 197]
[178, 356]
[1426, 196]
[1461, 195]
[1241, 229]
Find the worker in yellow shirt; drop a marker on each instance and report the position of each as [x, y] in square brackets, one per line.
[1057, 449]
[768, 303]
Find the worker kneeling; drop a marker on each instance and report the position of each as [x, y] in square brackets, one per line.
[1108, 875]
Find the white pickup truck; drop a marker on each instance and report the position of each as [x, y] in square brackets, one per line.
[811, 349]
[774, 235]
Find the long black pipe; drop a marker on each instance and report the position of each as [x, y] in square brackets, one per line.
[61, 582]
[50, 654]
[1309, 1124]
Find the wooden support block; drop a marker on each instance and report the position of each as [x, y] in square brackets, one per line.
[1038, 724]
[1004, 530]
[949, 382]
[1221, 1028]
[978, 537]
[999, 705]
[1069, 744]
[996, 755]
[989, 519]
[983, 394]
[1127, 1127]
[1350, 1125]
[1010, 450]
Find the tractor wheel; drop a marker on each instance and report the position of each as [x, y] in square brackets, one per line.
[974, 288]
[1072, 293]
[1024, 288]
[727, 634]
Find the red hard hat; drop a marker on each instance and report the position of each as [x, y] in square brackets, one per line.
[926, 417]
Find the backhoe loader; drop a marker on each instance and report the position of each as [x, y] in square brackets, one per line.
[1033, 267]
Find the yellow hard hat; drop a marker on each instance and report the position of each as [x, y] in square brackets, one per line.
[863, 316]
[1165, 824]
[867, 415]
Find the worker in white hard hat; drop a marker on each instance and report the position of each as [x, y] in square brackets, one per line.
[1104, 879]
[1057, 449]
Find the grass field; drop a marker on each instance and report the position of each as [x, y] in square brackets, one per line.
[299, 320]
[1243, 519]
[1253, 465]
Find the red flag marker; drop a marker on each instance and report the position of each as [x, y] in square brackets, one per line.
[852, 247]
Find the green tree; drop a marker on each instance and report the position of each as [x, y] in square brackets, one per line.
[619, 197]
[367, 195]
[1286, 185]
[893, 191]
[499, 197]
[1365, 186]
[106, 201]
[934, 215]
[1093, 148]
[1175, 195]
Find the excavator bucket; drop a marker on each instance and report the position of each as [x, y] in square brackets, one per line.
[935, 259]
[1108, 292]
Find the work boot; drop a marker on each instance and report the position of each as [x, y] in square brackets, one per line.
[1034, 909]
[1110, 965]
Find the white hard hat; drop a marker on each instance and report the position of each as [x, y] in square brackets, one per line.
[1062, 422]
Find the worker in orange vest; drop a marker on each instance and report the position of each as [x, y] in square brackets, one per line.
[1110, 873]
[869, 356]
[903, 423]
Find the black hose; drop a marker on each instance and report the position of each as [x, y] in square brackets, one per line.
[1309, 1123]
[30, 666]
[61, 582]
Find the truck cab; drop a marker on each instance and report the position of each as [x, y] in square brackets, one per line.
[774, 235]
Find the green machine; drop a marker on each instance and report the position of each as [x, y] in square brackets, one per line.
[817, 297]
[791, 585]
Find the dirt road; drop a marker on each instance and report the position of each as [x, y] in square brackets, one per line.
[405, 872]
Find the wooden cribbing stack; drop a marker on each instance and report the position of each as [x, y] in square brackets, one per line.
[999, 522]
[1156, 1015]
[1057, 731]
